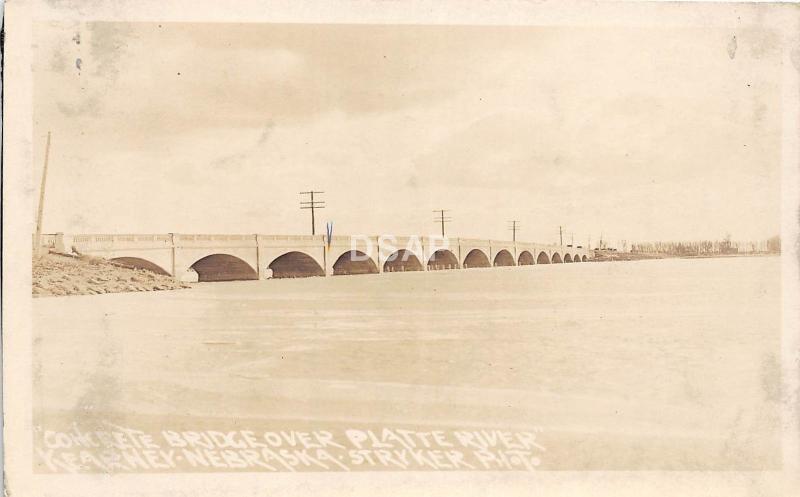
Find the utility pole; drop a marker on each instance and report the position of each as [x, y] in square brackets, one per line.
[38, 249]
[313, 205]
[560, 236]
[513, 229]
[442, 218]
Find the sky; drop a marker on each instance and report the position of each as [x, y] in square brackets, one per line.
[634, 134]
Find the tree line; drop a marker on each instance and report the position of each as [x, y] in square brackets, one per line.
[707, 247]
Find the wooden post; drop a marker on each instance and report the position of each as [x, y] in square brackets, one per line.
[38, 250]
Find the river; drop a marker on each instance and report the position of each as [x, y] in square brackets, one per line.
[661, 364]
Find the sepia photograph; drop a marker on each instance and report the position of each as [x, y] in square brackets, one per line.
[394, 247]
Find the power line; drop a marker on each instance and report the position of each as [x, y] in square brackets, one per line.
[313, 205]
[442, 219]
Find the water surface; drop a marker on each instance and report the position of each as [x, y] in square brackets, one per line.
[628, 365]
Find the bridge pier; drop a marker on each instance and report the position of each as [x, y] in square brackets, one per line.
[173, 269]
[261, 264]
[59, 243]
[380, 261]
[328, 263]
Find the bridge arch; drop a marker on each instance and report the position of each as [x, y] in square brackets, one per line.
[567, 258]
[584, 259]
[525, 259]
[504, 258]
[542, 258]
[556, 258]
[354, 262]
[402, 260]
[442, 259]
[223, 267]
[476, 258]
[295, 264]
[139, 263]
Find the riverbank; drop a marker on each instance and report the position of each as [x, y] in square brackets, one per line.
[638, 256]
[59, 275]
[626, 256]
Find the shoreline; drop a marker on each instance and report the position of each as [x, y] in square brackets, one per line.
[634, 256]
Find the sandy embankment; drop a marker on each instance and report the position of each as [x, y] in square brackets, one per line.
[55, 274]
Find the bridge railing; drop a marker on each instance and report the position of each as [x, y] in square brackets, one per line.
[214, 238]
[47, 240]
[289, 238]
[106, 239]
[473, 241]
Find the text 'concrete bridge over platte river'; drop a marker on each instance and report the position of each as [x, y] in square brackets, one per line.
[255, 256]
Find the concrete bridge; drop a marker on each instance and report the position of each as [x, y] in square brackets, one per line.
[255, 256]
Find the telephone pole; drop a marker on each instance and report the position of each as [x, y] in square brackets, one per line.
[442, 218]
[513, 228]
[313, 205]
[38, 249]
[560, 236]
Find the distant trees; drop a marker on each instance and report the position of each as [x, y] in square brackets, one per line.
[709, 247]
[774, 244]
